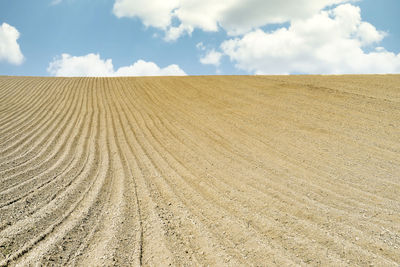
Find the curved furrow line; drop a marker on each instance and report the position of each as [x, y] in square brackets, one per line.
[11, 116]
[184, 177]
[85, 236]
[199, 171]
[164, 154]
[141, 173]
[318, 106]
[45, 146]
[12, 194]
[33, 102]
[35, 248]
[130, 250]
[24, 125]
[368, 87]
[81, 249]
[155, 248]
[14, 97]
[357, 124]
[117, 222]
[192, 210]
[243, 86]
[51, 177]
[187, 139]
[147, 167]
[357, 98]
[49, 169]
[63, 251]
[294, 110]
[305, 164]
[136, 159]
[25, 142]
[36, 99]
[378, 152]
[283, 119]
[199, 157]
[228, 153]
[74, 241]
[48, 190]
[8, 90]
[38, 144]
[103, 214]
[242, 197]
[94, 177]
[32, 144]
[50, 153]
[52, 187]
[69, 168]
[31, 92]
[239, 198]
[331, 184]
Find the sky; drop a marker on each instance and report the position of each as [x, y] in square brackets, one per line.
[198, 37]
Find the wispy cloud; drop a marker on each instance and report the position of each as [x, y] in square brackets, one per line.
[55, 2]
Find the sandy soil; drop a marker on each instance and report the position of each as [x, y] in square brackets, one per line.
[221, 171]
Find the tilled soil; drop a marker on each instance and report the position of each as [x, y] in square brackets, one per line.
[199, 171]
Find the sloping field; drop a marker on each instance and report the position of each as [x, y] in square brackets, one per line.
[265, 170]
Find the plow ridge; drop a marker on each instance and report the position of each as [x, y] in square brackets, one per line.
[219, 170]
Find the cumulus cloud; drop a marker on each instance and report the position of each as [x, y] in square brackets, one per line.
[143, 68]
[92, 65]
[235, 16]
[156, 13]
[9, 47]
[211, 58]
[329, 42]
[324, 36]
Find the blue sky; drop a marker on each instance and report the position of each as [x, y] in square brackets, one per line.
[238, 44]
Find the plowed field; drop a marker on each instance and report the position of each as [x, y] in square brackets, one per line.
[219, 170]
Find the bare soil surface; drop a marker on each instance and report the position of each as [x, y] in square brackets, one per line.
[200, 171]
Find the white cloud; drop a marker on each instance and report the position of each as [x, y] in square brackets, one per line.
[330, 42]
[143, 68]
[211, 58]
[156, 13]
[324, 36]
[245, 16]
[9, 47]
[89, 65]
[235, 16]
[173, 33]
[368, 34]
[200, 46]
[93, 65]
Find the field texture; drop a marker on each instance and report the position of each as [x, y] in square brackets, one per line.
[227, 171]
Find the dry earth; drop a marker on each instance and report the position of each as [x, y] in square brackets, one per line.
[234, 171]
